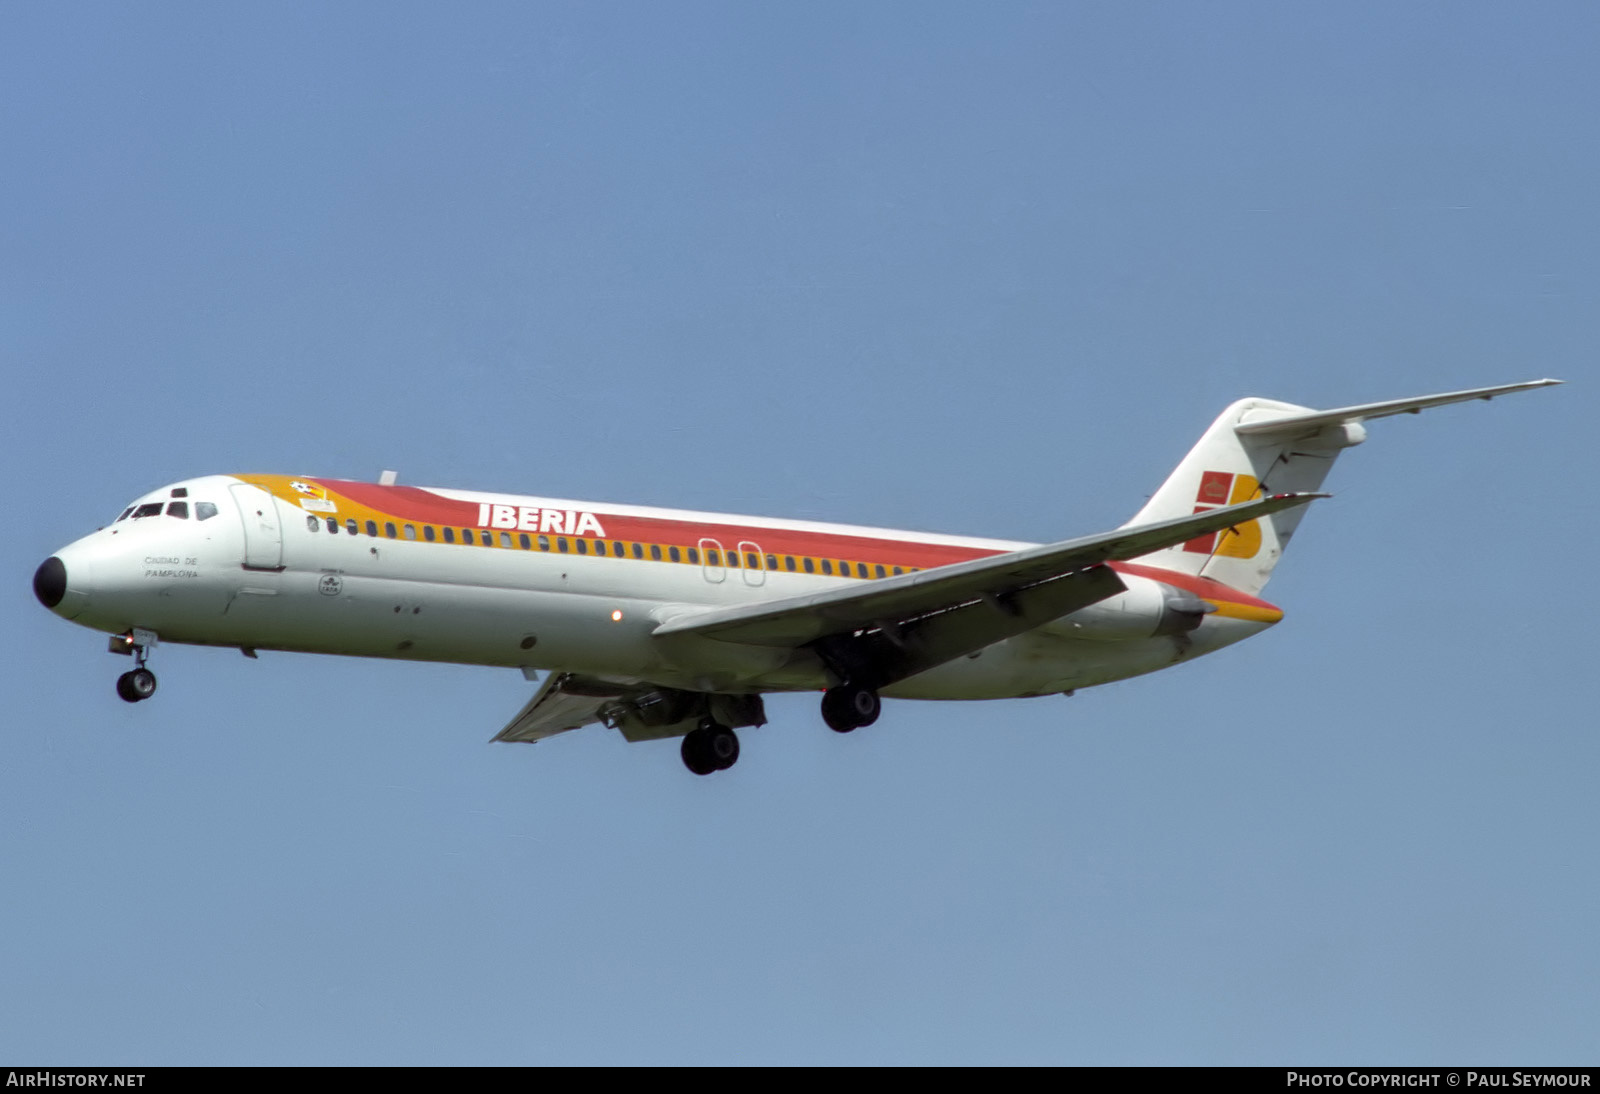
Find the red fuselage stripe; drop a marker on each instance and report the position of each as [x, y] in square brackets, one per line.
[410, 503]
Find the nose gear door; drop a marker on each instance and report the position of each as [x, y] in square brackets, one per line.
[263, 538]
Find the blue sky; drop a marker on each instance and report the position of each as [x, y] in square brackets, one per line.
[968, 268]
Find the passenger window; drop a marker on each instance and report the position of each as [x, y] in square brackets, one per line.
[694, 554]
[544, 543]
[733, 559]
[204, 510]
[561, 544]
[527, 544]
[788, 563]
[179, 509]
[151, 510]
[638, 550]
[827, 566]
[350, 525]
[388, 529]
[772, 562]
[655, 551]
[861, 570]
[312, 524]
[880, 570]
[898, 571]
[505, 539]
[672, 553]
[410, 531]
[372, 527]
[466, 536]
[752, 562]
[449, 534]
[811, 567]
[428, 533]
[583, 546]
[333, 526]
[711, 558]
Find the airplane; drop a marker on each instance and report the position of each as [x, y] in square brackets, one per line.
[663, 623]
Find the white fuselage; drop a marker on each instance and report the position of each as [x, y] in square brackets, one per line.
[554, 584]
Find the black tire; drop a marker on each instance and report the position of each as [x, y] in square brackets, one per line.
[849, 706]
[125, 690]
[722, 746]
[142, 682]
[866, 706]
[696, 756]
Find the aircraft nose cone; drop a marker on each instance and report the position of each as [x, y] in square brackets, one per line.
[50, 582]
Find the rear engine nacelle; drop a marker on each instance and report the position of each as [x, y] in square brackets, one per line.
[1147, 609]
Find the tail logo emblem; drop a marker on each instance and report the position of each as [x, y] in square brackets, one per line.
[1218, 488]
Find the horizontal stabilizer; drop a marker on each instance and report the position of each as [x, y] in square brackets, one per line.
[1295, 425]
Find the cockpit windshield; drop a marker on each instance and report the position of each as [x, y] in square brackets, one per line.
[203, 510]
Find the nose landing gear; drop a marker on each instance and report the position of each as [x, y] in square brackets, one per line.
[136, 686]
[139, 683]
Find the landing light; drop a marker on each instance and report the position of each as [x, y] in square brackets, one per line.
[616, 616]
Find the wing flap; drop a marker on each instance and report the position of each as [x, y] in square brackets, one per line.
[889, 602]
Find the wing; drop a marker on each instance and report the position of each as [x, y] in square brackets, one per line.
[566, 701]
[1024, 584]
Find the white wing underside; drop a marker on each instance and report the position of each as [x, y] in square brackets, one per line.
[566, 701]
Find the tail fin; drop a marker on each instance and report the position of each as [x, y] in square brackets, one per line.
[1259, 447]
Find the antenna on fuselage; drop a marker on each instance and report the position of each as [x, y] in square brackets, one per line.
[387, 478]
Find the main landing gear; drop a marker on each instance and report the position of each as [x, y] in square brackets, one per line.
[850, 706]
[711, 747]
[139, 683]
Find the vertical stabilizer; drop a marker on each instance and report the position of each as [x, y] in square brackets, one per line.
[1259, 447]
[1225, 468]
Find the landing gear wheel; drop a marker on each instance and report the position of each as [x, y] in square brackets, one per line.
[710, 748]
[850, 706]
[722, 744]
[696, 756]
[136, 686]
